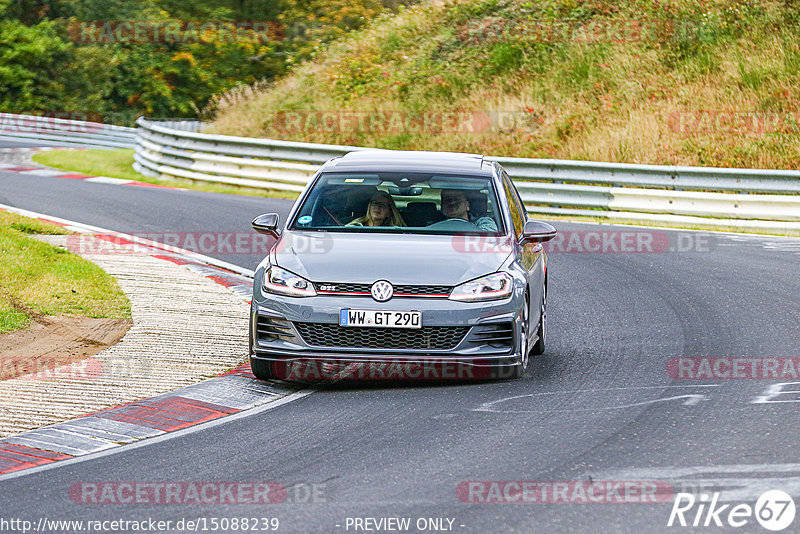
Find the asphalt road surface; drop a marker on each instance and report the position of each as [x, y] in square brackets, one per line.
[599, 408]
[5, 143]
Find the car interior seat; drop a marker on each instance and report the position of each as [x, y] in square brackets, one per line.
[478, 205]
[422, 214]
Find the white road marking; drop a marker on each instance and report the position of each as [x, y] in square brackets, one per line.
[108, 180]
[775, 391]
[715, 478]
[691, 399]
[44, 172]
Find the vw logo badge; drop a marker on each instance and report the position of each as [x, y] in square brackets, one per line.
[382, 291]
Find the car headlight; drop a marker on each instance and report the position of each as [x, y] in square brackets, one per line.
[490, 287]
[283, 282]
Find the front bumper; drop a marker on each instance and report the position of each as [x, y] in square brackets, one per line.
[488, 348]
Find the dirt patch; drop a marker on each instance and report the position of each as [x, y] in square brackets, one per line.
[53, 342]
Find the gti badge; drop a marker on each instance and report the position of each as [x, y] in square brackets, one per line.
[382, 290]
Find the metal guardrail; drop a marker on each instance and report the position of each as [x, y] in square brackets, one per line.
[185, 125]
[65, 132]
[703, 197]
[241, 161]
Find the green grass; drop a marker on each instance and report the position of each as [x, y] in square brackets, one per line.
[622, 97]
[10, 318]
[37, 278]
[118, 164]
[113, 163]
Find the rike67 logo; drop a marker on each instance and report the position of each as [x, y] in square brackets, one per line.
[774, 510]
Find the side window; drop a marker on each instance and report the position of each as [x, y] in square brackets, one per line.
[514, 204]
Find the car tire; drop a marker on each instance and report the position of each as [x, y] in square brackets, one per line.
[261, 369]
[518, 371]
[539, 347]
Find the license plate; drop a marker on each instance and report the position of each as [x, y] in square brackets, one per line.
[380, 319]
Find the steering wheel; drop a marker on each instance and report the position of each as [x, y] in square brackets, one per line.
[455, 225]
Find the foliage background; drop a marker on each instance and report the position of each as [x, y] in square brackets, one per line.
[42, 70]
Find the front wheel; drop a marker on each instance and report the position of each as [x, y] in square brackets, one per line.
[261, 369]
[520, 370]
[539, 346]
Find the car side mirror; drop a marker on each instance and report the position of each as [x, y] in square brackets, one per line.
[267, 224]
[538, 232]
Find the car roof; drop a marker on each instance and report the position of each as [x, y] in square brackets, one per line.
[378, 160]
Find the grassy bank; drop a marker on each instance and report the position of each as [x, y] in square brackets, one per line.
[114, 163]
[118, 164]
[683, 82]
[39, 279]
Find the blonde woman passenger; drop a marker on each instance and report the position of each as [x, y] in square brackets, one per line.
[381, 211]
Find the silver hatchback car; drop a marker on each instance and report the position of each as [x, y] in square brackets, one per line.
[401, 265]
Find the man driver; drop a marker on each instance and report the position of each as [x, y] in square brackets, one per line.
[456, 206]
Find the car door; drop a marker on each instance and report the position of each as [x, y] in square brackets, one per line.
[531, 254]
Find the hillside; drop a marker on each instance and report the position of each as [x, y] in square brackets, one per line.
[681, 82]
[114, 61]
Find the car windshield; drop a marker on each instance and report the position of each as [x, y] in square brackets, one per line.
[401, 203]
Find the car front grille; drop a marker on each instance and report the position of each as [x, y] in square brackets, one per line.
[441, 291]
[425, 338]
[334, 288]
